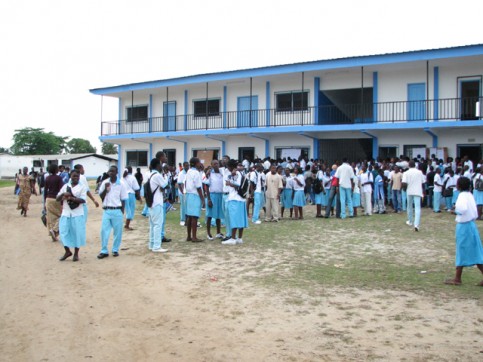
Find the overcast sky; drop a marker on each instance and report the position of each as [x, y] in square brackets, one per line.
[54, 51]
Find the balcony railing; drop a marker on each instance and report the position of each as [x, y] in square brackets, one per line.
[463, 109]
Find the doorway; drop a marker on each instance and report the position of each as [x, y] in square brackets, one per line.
[171, 156]
[416, 102]
[246, 153]
[470, 94]
[474, 152]
[247, 115]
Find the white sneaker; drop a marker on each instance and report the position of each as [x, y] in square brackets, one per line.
[409, 223]
[160, 250]
[182, 223]
[229, 242]
[239, 241]
[219, 236]
[258, 222]
[198, 225]
[209, 237]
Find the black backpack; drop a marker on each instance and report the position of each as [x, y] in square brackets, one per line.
[148, 193]
[244, 187]
[317, 186]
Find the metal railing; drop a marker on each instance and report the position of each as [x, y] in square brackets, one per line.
[463, 109]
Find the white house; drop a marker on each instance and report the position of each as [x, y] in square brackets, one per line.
[94, 164]
[358, 107]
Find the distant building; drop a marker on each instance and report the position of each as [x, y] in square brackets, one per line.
[94, 164]
[359, 107]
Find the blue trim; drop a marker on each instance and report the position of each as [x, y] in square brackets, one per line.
[224, 105]
[267, 143]
[316, 98]
[375, 144]
[119, 160]
[150, 113]
[305, 129]
[436, 94]
[375, 94]
[185, 143]
[433, 135]
[316, 149]
[185, 151]
[357, 61]
[150, 151]
[267, 102]
[185, 112]
[223, 144]
[119, 111]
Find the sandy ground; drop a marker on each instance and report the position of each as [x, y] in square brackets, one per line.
[145, 307]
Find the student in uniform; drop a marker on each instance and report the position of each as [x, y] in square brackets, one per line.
[182, 193]
[237, 209]
[287, 193]
[272, 194]
[437, 191]
[113, 193]
[319, 197]
[379, 207]
[83, 180]
[226, 174]
[257, 185]
[469, 250]
[194, 199]
[367, 181]
[299, 194]
[356, 194]
[214, 194]
[72, 226]
[157, 182]
[132, 190]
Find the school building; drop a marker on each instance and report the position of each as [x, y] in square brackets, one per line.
[357, 107]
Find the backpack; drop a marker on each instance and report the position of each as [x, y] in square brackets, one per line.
[317, 186]
[479, 184]
[243, 188]
[148, 193]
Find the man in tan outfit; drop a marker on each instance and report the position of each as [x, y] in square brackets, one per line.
[272, 195]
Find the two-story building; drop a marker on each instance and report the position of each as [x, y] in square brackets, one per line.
[359, 107]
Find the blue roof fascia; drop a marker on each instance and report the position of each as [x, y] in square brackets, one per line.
[304, 129]
[319, 65]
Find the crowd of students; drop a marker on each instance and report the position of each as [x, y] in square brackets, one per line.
[232, 193]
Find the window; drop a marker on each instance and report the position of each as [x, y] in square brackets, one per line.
[137, 113]
[38, 163]
[293, 101]
[137, 158]
[207, 108]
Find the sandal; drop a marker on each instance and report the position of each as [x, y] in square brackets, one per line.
[451, 282]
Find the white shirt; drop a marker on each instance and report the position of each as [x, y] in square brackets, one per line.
[117, 193]
[83, 180]
[357, 190]
[345, 174]
[182, 179]
[193, 181]
[366, 177]
[158, 182]
[470, 165]
[215, 182]
[131, 184]
[465, 207]
[296, 186]
[78, 191]
[226, 176]
[258, 178]
[288, 182]
[233, 193]
[266, 165]
[437, 179]
[414, 178]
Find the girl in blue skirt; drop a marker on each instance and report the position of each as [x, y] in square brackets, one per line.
[469, 250]
[287, 192]
[299, 194]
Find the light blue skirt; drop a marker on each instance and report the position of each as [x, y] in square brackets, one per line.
[319, 199]
[193, 205]
[478, 195]
[215, 212]
[130, 206]
[287, 199]
[299, 198]
[238, 214]
[72, 231]
[469, 250]
[356, 200]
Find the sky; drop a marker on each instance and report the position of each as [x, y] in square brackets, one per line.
[53, 51]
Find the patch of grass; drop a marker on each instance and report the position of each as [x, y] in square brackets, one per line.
[7, 183]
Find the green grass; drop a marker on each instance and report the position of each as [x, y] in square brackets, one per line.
[7, 183]
[378, 252]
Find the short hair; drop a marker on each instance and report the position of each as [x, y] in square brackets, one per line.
[74, 171]
[155, 162]
[53, 168]
[411, 164]
[194, 161]
[463, 183]
[78, 167]
[160, 153]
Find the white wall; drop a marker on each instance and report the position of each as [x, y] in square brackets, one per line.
[93, 166]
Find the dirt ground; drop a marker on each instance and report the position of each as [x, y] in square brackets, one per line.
[171, 307]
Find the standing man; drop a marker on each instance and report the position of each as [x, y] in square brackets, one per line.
[412, 182]
[113, 193]
[163, 159]
[194, 199]
[83, 181]
[157, 182]
[257, 185]
[274, 190]
[366, 183]
[396, 181]
[181, 193]
[345, 174]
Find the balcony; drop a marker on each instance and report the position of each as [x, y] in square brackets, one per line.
[464, 109]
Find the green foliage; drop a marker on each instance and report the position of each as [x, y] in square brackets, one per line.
[34, 141]
[109, 149]
[4, 150]
[80, 145]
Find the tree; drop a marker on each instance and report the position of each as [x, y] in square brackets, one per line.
[4, 150]
[109, 149]
[80, 145]
[34, 141]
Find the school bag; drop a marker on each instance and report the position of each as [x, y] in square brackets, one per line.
[479, 184]
[148, 193]
[317, 186]
[243, 188]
